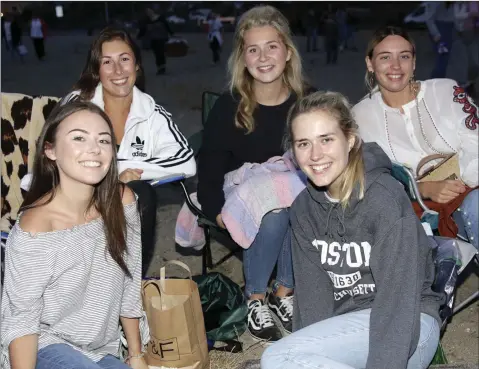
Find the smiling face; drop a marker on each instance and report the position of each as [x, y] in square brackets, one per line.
[321, 148]
[393, 63]
[117, 68]
[265, 54]
[83, 149]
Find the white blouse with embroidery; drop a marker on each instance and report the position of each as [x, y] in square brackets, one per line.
[449, 119]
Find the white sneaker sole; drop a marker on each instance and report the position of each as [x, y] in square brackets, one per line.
[262, 340]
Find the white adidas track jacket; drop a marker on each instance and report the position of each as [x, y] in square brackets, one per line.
[151, 142]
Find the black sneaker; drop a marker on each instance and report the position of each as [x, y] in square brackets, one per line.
[260, 322]
[282, 307]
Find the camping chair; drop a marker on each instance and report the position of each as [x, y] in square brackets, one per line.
[467, 252]
[450, 258]
[195, 141]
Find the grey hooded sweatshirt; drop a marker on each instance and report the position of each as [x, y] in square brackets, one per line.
[372, 254]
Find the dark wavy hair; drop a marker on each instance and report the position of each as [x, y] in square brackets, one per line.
[90, 77]
[107, 195]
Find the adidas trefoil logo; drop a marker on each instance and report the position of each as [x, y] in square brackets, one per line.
[138, 145]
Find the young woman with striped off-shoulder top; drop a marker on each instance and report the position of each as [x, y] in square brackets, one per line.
[73, 258]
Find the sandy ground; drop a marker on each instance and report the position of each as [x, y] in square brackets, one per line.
[180, 92]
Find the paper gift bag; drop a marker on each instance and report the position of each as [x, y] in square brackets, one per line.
[176, 323]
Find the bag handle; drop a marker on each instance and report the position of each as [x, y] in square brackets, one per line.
[151, 283]
[146, 305]
[429, 158]
[163, 272]
[174, 262]
[160, 287]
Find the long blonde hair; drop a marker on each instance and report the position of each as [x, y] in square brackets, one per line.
[339, 107]
[241, 81]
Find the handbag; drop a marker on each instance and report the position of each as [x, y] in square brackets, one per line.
[175, 321]
[447, 168]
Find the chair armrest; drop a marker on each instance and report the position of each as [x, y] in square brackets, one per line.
[166, 179]
[401, 170]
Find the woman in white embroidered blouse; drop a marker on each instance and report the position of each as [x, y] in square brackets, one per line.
[412, 119]
[73, 258]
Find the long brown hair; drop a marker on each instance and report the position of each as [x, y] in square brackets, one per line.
[338, 106]
[378, 37]
[106, 197]
[90, 77]
[241, 81]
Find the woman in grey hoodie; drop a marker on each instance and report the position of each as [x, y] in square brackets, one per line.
[362, 262]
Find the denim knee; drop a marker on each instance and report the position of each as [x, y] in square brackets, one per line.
[261, 257]
[274, 220]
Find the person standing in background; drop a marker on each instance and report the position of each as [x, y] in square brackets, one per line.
[158, 31]
[7, 31]
[466, 14]
[215, 29]
[16, 30]
[331, 38]
[341, 19]
[38, 33]
[440, 23]
[310, 24]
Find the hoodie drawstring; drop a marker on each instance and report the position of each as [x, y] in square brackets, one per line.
[341, 227]
[328, 218]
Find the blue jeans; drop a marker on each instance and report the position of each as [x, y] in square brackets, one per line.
[271, 246]
[342, 342]
[466, 218]
[442, 60]
[63, 356]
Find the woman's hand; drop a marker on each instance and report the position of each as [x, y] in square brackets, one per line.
[130, 174]
[219, 220]
[138, 363]
[441, 191]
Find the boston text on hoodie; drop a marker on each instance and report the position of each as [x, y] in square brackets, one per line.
[373, 254]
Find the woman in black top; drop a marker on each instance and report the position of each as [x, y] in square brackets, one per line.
[246, 125]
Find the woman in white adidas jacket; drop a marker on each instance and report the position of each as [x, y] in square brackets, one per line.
[151, 145]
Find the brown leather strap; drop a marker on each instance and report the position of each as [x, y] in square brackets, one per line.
[428, 158]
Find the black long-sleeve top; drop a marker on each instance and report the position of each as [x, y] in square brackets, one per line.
[226, 147]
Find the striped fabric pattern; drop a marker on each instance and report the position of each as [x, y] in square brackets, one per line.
[65, 287]
[185, 152]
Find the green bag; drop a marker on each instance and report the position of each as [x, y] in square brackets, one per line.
[224, 307]
[439, 357]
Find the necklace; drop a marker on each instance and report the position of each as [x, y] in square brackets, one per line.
[415, 91]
